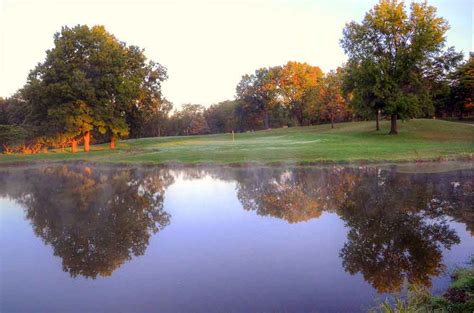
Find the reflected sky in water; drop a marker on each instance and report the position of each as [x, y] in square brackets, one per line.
[79, 238]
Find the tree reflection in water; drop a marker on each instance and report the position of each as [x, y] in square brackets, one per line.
[397, 223]
[94, 220]
[97, 219]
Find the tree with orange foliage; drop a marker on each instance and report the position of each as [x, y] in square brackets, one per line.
[333, 101]
[295, 80]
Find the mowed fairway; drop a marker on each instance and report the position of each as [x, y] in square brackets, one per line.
[347, 142]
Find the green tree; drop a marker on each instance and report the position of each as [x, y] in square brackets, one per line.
[155, 123]
[259, 91]
[389, 54]
[462, 89]
[90, 81]
[189, 120]
[148, 116]
[221, 117]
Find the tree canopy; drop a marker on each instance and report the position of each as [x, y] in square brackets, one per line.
[391, 53]
[92, 82]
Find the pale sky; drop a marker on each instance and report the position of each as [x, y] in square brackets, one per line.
[206, 45]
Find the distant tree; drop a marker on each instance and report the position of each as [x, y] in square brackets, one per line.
[258, 91]
[14, 110]
[155, 123]
[332, 98]
[222, 117]
[189, 120]
[462, 89]
[295, 80]
[390, 53]
[3, 112]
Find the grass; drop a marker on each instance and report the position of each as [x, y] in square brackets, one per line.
[347, 142]
[458, 298]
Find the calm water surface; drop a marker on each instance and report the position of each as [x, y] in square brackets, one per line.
[78, 238]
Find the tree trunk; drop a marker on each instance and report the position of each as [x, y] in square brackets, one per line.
[332, 120]
[393, 125]
[112, 142]
[74, 145]
[265, 119]
[299, 118]
[87, 141]
[377, 118]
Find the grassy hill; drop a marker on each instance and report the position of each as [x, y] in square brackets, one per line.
[358, 141]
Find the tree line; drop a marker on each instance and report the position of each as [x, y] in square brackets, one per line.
[93, 87]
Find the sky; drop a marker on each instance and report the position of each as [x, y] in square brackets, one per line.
[206, 45]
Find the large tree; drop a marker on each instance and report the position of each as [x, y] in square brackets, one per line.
[90, 81]
[390, 55]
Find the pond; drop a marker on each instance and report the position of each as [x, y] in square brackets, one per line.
[84, 238]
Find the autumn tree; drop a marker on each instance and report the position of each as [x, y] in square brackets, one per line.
[295, 80]
[389, 53]
[333, 103]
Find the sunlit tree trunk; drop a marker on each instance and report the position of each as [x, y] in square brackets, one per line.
[74, 145]
[112, 142]
[87, 141]
[393, 125]
[377, 118]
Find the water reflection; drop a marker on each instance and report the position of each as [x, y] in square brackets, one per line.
[398, 223]
[94, 220]
[98, 218]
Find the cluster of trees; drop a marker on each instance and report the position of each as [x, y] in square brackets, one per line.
[293, 94]
[398, 67]
[91, 85]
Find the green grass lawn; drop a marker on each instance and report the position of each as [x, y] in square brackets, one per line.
[347, 142]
